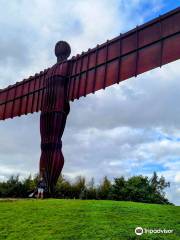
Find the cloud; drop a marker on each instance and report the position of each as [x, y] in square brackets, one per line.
[131, 128]
[137, 102]
[177, 177]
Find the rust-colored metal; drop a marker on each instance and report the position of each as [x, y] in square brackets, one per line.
[52, 123]
[54, 111]
[62, 51]
[146, 47]
[15, 99]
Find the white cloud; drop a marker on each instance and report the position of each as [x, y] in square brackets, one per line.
[177, 177]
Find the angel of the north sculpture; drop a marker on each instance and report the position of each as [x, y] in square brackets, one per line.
[145, 47]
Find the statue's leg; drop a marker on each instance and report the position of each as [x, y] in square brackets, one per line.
[52, 125]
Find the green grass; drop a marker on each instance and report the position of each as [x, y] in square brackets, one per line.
[84, 220]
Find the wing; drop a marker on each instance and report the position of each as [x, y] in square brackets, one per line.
[28, 96]
[146, 47]
[23, 97]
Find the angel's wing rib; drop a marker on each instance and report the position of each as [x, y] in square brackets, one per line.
[148, 46]
[23, 97]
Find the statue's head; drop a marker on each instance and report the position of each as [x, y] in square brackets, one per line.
[62, 51]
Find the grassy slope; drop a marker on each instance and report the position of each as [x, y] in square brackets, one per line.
[76, 220]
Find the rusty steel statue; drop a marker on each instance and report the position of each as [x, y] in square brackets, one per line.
[148, 46]
[53, 120]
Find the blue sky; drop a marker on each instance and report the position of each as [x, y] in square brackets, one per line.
[131, 128]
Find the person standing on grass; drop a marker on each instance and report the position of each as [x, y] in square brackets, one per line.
[41, 188]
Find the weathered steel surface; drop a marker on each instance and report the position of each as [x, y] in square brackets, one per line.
[54, 111]
[52, 123]
[23, 97]
[62, 51]
[139, 50]
[146, 47]
[28, 96]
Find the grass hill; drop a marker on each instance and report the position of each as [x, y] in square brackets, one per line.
[55, 219]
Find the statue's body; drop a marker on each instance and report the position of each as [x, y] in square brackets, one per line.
[52, 123]
[145, 47]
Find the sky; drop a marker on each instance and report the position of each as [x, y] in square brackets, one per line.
[129, 129]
